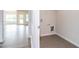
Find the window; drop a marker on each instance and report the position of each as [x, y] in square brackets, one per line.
[21, 19]
[16, 17]
[10, 17]
[27, 18]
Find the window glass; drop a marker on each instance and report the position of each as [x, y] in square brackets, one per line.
[27, 19]
[10, 17]
[21, 16]
[21, 21]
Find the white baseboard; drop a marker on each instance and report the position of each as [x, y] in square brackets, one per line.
[67, 39]
[48, 34]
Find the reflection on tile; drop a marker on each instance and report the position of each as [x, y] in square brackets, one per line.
[15, 36]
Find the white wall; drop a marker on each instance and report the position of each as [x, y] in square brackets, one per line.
[1, 25]
[35, 23]
[48, 17]
[67, 25]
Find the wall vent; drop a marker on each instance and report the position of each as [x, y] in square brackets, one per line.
[51, 28]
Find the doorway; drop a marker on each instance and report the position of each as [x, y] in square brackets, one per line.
[16, 29]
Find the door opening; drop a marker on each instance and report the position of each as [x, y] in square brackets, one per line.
[16, 28]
